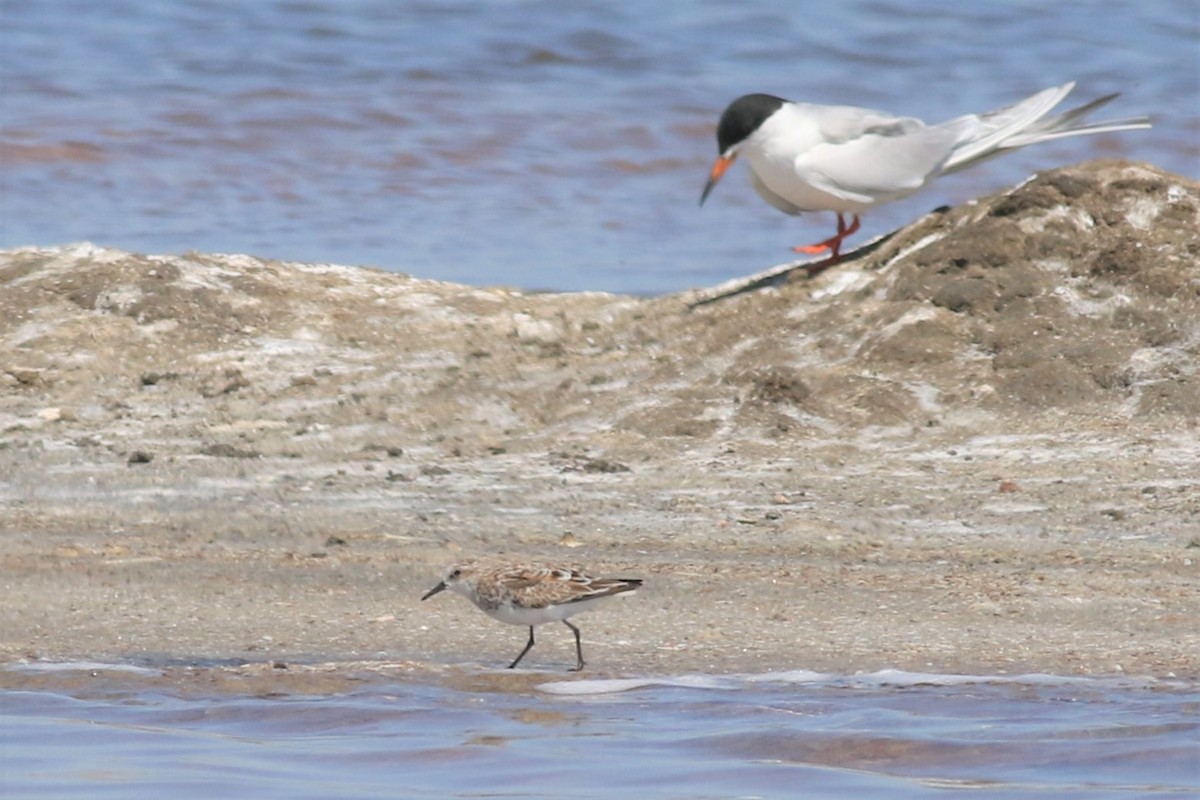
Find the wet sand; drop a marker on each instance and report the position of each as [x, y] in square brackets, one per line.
[972, 450]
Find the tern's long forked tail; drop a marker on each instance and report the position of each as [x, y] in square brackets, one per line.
[1024, 123]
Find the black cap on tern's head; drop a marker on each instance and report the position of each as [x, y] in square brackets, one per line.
[741, 119]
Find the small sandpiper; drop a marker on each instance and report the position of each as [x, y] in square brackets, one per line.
[531, 594]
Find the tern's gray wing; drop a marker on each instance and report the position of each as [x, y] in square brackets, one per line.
[985, 135]
[867, 157]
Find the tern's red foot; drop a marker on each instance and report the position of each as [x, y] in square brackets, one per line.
[819, 247]
[833, 243]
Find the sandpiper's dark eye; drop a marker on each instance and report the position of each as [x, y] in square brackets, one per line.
[455, 573]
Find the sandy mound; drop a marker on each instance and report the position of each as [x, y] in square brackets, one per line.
[972, 449]
[1075, 293]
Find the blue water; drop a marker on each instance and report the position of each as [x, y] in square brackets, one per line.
[539, 144]
[884, 736]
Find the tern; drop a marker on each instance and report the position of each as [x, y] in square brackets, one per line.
[806, 157]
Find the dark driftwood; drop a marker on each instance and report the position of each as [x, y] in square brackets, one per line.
[779, 274]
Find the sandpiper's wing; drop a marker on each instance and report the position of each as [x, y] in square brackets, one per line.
[541, 586]
[519, 578]
[588, 588]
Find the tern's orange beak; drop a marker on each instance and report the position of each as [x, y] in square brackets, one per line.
[718, 169]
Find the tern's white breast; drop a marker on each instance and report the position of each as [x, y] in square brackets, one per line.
[772, 151]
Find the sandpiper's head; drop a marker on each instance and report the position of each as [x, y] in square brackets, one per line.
[456, 576]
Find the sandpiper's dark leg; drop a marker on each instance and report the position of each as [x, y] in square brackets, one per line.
[526, 650]
[578, 647]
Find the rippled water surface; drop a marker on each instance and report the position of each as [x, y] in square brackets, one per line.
[888, 735]
[538, 144]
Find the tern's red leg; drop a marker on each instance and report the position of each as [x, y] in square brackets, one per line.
[833, 243]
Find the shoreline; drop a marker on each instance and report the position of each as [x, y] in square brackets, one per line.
[99, 680]
[908, 463]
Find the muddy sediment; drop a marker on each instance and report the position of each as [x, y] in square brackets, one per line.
[973, 450]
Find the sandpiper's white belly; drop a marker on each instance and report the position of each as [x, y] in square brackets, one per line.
[519, 615]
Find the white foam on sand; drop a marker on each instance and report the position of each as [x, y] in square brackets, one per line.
[79, 666]
[886, 678]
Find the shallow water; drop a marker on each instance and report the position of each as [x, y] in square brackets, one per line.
[539, 144]
[886, 735]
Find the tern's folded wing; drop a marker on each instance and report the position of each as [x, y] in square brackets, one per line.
[883, 163]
